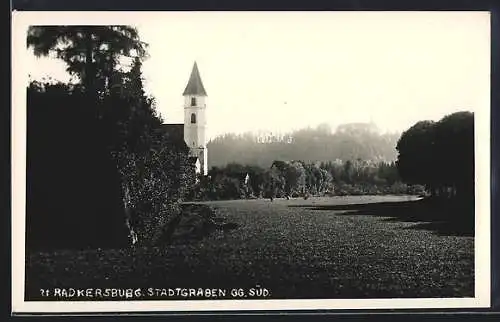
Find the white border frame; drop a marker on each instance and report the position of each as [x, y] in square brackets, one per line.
[20, 23]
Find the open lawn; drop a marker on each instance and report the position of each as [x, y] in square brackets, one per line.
[336, 247]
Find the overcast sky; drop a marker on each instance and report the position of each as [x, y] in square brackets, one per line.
[281, 71]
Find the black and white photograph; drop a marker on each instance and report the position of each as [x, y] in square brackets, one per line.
[226, 161]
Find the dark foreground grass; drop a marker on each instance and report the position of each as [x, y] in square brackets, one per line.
[312, 248]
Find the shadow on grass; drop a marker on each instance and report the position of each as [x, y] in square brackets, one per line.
[446, 218]
[195, 223]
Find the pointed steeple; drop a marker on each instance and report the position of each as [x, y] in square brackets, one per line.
[195, 86]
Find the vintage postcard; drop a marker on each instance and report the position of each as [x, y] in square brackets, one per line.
[241, 161]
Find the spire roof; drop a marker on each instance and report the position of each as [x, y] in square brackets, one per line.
[195, 86]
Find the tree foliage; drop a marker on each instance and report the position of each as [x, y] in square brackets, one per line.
[416, 148]
[440, 155]
[90, 52]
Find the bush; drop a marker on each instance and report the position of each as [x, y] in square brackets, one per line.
[417, 190]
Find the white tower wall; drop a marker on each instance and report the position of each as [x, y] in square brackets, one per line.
[195, 132]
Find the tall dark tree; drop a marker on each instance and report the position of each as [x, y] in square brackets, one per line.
[130, 110]
[440, 155]
[416, 147]
[454, 152]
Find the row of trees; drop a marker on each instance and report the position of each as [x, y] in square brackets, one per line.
[347, 142]
[102, 170]
[298, 178]
[437, 156]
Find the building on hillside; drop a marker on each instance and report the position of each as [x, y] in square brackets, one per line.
[193, 131]
[358, 128]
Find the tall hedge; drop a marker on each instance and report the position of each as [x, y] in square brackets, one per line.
[81, 158]
[73, 186]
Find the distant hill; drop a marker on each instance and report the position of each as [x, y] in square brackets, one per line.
[348, 142]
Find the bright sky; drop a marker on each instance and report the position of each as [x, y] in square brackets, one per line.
[279, 71]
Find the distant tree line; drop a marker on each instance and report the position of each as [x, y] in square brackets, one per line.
[285, 179]
[347, 142]
[433, 158]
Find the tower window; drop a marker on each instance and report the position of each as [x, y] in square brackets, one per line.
[193, 101]
[193, 118]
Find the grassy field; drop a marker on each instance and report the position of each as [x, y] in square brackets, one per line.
[338, 247]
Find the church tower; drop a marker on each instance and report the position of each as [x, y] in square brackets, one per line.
[195, 121]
